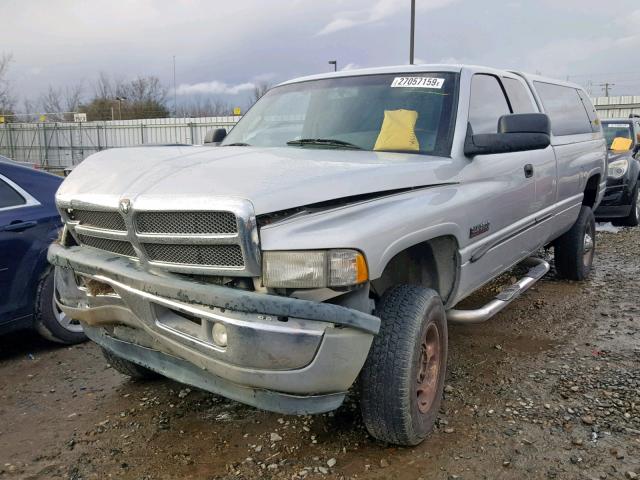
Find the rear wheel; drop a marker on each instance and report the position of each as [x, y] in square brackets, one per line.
[574, 250]
[633, 219]
[403, 378]
[130, 369]
[50, 321]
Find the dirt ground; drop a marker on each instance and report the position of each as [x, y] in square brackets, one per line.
[548, 389]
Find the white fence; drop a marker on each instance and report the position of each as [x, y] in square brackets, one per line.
[617, 107]
[66, 144]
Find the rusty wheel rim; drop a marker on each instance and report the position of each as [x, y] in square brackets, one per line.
[428, 369]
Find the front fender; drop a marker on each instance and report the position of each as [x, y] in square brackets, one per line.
[380, 228]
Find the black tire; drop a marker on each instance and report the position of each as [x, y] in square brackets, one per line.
[130, 369]
[389, 381]
[49, 321]
[574, 250]
[633, 219]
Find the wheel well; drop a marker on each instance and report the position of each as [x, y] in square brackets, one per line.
[433, 264]
[591, 191]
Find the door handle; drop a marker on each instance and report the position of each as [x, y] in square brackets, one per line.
[18, 226]
[528, 170]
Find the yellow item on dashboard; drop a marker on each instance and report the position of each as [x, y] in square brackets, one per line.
[621, 144]
[398, 131]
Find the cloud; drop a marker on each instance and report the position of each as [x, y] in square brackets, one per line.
[451, 61]
[350, 66]
[214, 87]
[379, 11]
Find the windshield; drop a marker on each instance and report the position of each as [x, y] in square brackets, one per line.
[613, 130]
[394, 112]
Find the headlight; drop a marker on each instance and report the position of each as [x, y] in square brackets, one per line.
[314, 269]
[618, 168]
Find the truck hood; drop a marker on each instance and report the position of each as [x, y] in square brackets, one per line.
[272, 179]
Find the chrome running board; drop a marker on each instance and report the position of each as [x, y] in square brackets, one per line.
[539, 268]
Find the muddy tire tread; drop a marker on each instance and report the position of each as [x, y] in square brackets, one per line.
[568, 248]
[130, 369]
[389, 366]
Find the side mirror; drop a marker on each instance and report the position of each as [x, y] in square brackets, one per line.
[215, 136]
[516, 133]
[621, 144]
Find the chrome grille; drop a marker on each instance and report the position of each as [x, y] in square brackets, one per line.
[186, 223]
[221, 256]
[98, 219]
[183, 238]
[119, 247]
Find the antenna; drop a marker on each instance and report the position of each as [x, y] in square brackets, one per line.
[175, 95]
[413, 31]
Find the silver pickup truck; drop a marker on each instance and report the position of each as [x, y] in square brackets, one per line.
[331, 234]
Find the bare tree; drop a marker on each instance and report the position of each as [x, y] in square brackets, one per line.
[205, 107]
[57, 102]
[103, 87]
[7, 101]
[258, 91]
[145, 89]
[29, 109]
[143, 97]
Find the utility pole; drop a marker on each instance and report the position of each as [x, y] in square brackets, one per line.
[606, 86]
[119, 99]
[413, 30]
[335, 65]
[175, 95]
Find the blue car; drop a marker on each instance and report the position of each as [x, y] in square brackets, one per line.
[29, 222]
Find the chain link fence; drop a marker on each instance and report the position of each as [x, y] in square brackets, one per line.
[57, 145]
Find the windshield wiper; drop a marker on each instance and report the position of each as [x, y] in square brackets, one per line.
[238, 144]
[329, 142]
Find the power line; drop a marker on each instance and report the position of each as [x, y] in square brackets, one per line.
[606, 86]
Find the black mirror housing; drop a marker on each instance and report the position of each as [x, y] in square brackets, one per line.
[215, 136]
[525, 123]
[516, 133]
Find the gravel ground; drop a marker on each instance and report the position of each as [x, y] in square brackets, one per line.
[548, 389]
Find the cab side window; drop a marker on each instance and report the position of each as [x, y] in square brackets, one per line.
[565, 109]
[519, 97]
[487, 104]
[9, 197]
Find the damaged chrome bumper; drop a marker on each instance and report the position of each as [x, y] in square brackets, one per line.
[281, 354]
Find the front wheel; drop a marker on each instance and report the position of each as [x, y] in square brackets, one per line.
[403, 378]
[574, 250]
[50, 321]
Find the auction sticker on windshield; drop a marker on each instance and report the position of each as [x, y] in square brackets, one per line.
[417, 82]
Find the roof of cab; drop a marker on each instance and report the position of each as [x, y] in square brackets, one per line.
[425, 68]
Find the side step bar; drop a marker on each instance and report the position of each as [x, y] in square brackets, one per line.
[539, 268]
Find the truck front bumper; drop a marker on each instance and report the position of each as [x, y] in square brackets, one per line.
[282, 354]
[617, 201]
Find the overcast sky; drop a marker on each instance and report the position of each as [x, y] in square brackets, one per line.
[223, 47]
